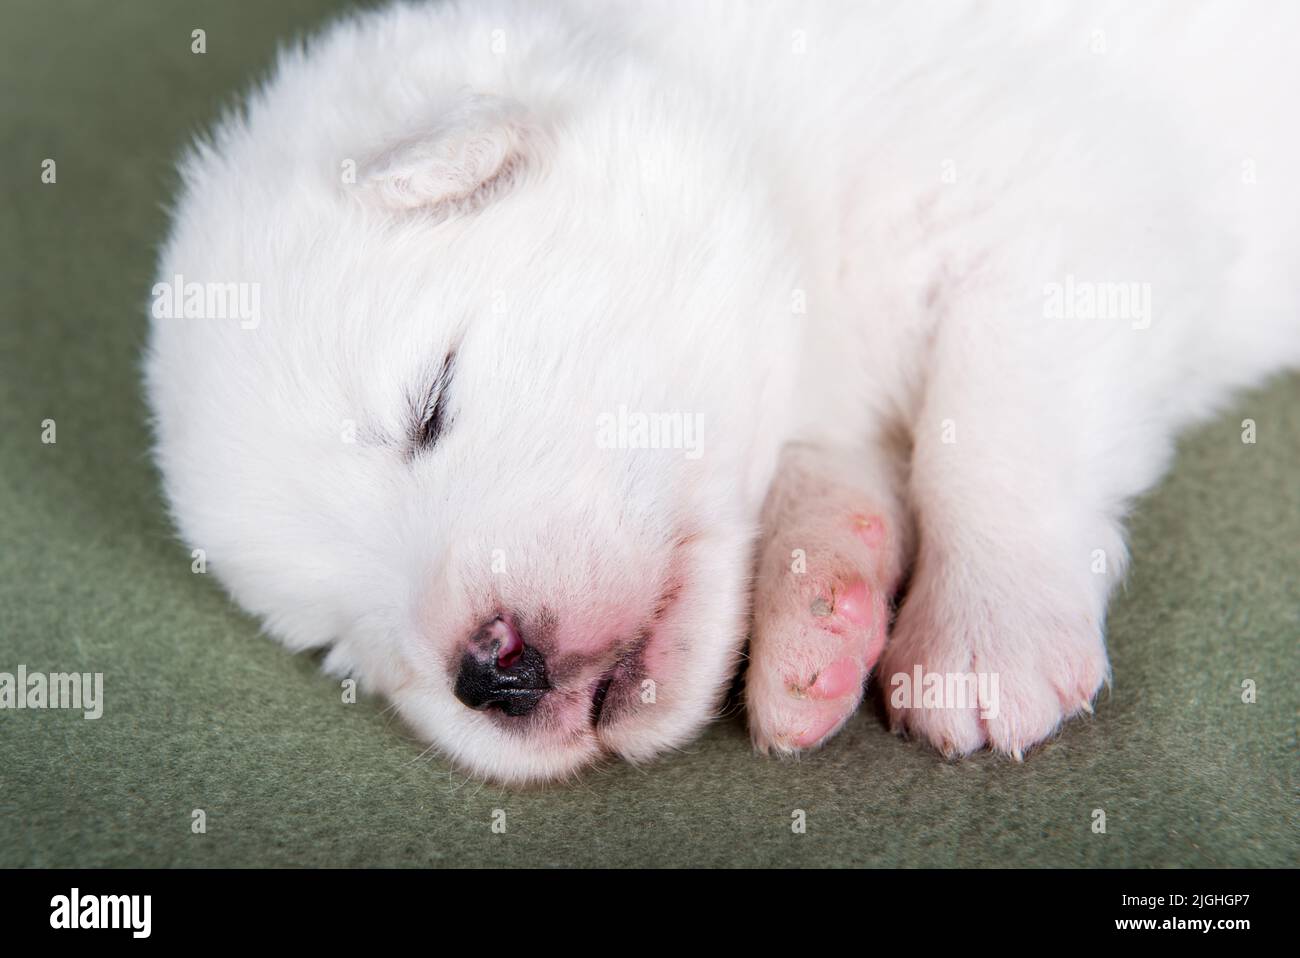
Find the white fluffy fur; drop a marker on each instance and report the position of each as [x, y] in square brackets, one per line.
[600, 205]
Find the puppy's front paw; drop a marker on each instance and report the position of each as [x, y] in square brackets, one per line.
[820, 615]
[968, 668]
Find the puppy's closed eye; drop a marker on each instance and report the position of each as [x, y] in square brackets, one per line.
[433, 414]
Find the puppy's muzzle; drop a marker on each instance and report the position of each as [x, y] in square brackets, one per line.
[499, 671]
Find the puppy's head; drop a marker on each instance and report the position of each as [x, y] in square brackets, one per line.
[499, 432]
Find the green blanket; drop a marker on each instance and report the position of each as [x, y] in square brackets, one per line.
[200, 712]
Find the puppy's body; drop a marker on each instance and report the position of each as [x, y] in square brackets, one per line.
[857, 244]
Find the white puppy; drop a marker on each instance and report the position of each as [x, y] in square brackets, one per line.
[486, 331]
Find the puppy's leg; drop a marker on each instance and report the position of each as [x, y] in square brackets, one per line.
[1021, 469]
[835, 538]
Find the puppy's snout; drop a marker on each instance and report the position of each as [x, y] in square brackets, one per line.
[500, 671]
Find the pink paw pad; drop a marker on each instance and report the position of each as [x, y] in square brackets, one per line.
[836, 680]
[870, 529]
[813, 734]
[848, 605]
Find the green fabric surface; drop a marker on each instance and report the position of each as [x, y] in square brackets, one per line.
[203, 712]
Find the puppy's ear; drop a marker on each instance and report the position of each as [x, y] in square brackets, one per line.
[474, 150]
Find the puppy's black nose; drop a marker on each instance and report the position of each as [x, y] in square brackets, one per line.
[500, 671]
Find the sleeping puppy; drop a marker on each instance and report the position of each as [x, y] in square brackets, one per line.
[532, 357]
